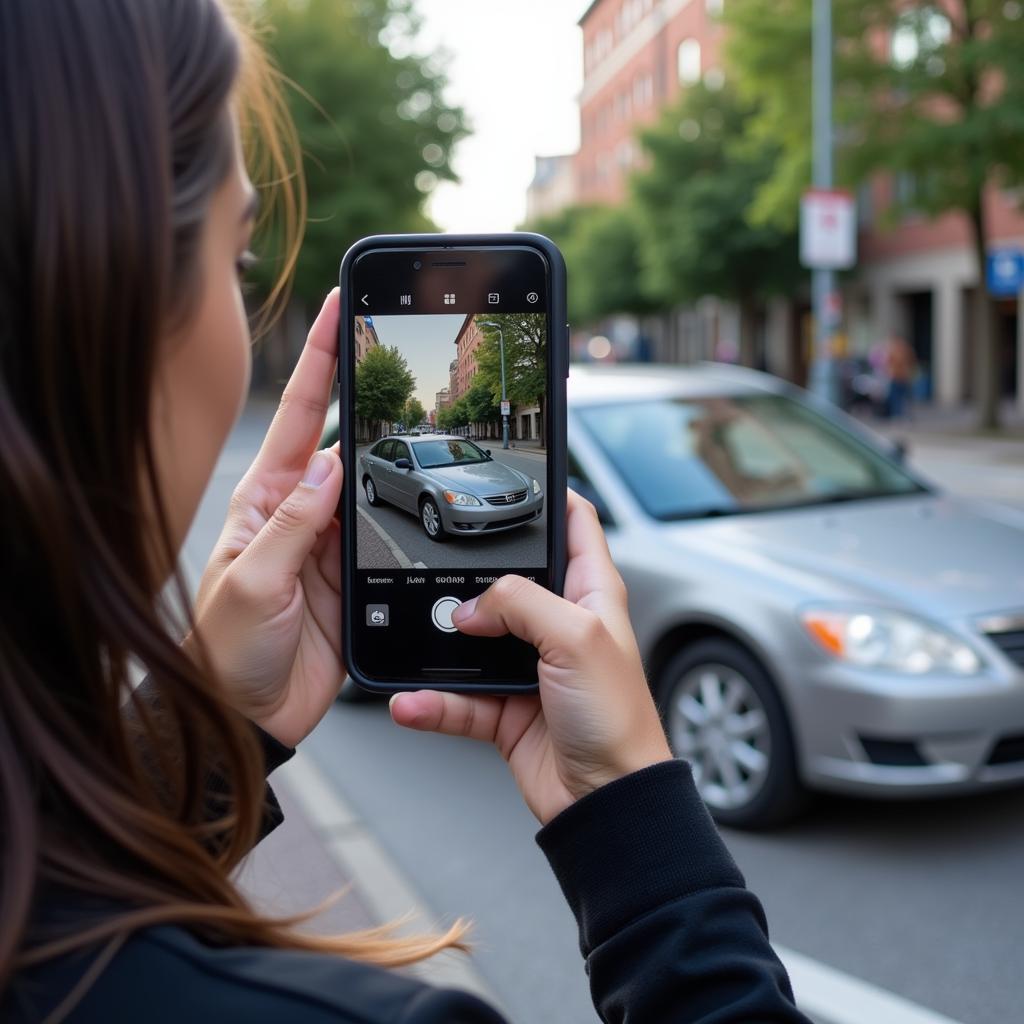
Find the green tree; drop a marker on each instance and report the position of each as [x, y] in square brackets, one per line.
[376, 132]
[601, 249]
[526, 359]
[933, 92]
[414, 413]
[383, 385]
[453, 416]
[691, 205]
[481, 405]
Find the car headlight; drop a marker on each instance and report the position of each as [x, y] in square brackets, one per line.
[458, 498]
[889, 640]
[536, 487]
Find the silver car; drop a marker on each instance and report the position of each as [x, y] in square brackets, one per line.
[812, 614]
[450, 484]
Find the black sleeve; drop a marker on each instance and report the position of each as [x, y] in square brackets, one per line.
[667, 927]
[275, 754]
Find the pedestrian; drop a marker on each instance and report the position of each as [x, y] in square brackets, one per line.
[900, 368]
[124, 363]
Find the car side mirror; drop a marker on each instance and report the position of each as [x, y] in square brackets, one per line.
[487, 452]
[900, 451]
[403, 464]
[585, 489]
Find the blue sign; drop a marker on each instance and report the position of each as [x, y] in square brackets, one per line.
[1004, 272]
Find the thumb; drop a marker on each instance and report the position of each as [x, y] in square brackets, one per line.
[285, 541]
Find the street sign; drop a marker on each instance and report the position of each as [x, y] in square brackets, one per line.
[1004, 272]
[828, 229]
[506, 408]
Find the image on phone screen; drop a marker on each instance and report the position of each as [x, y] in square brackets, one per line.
[450, 480]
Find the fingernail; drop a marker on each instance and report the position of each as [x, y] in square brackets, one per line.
[464, 610]
[391, 701]
[318, 470]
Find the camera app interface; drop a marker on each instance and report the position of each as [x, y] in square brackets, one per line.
[452, 463]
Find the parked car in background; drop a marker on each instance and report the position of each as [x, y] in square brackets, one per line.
[812, 613]
[453, 487]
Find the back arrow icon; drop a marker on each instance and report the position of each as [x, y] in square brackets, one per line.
[364, 298]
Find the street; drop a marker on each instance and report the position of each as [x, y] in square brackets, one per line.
[918, 898]
[516, 549]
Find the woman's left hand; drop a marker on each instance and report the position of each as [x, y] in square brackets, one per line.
[269, 604]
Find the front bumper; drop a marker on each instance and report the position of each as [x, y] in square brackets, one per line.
[478, 520]
[882, 734]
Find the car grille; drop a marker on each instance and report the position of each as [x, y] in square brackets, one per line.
[511, 498]
[503, 524]
[1011, 644]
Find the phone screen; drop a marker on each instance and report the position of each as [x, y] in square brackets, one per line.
[450, 380]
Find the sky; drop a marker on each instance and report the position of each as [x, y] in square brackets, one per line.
[516, 67]
[428, 344]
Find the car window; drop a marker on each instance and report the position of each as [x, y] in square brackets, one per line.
[382, 449]
[450, 452]
[728, 454]
[401, 451]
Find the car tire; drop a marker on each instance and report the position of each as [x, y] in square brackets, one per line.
[765, 792]
[430, 520]
[370, 489]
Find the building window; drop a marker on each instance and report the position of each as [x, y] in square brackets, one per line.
[688, 61]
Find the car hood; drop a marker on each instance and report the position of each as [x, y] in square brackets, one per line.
[947, 556]
[480, 477]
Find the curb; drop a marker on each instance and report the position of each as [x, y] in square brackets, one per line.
[404, 561]
[360, 857]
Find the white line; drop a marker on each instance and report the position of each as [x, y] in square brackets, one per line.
[358, 855]
[403, 559]
[831, 997]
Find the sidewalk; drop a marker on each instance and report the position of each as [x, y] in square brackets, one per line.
[323, 848]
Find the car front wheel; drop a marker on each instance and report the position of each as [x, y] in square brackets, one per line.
[723, 715]
[430, 520]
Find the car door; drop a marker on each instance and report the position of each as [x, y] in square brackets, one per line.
[404, 480]
[379, 460]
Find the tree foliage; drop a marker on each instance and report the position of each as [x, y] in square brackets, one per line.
[934, 92]
[375, 129]
[383, 384]
[692, 204]
[414, 413]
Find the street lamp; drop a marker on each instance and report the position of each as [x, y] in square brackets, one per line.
[501, 350]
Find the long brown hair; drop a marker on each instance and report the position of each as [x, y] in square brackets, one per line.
[115, 117]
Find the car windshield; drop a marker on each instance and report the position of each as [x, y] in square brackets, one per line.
[451, 452]
[693, 458]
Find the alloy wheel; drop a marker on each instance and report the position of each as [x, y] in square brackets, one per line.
[718, 723]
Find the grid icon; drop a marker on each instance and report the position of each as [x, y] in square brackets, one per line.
[449, 298]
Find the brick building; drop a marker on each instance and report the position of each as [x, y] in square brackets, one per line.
[467, 341]
[914, 278]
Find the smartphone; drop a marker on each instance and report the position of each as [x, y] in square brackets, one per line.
[453, 355]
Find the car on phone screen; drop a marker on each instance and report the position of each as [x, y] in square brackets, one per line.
[452, 486]
[813, 614]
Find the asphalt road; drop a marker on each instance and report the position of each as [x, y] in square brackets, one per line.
[921, 898]
[521, 548]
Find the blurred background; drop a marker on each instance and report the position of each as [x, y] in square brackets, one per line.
[753, 197]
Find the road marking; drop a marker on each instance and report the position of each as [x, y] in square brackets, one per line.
[403, 559]
[360, 857]
[830, 996]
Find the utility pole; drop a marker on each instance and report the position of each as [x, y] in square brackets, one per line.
[504, 397]
[823, 282]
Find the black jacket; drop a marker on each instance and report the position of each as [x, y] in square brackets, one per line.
[668, 931]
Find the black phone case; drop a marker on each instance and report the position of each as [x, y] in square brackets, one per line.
[558, 360]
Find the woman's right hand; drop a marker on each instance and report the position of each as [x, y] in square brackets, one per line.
[594, 719]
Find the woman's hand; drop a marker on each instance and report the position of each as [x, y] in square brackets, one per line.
[269, 604]
[594, 719]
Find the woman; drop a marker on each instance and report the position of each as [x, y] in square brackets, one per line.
[124, 362]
